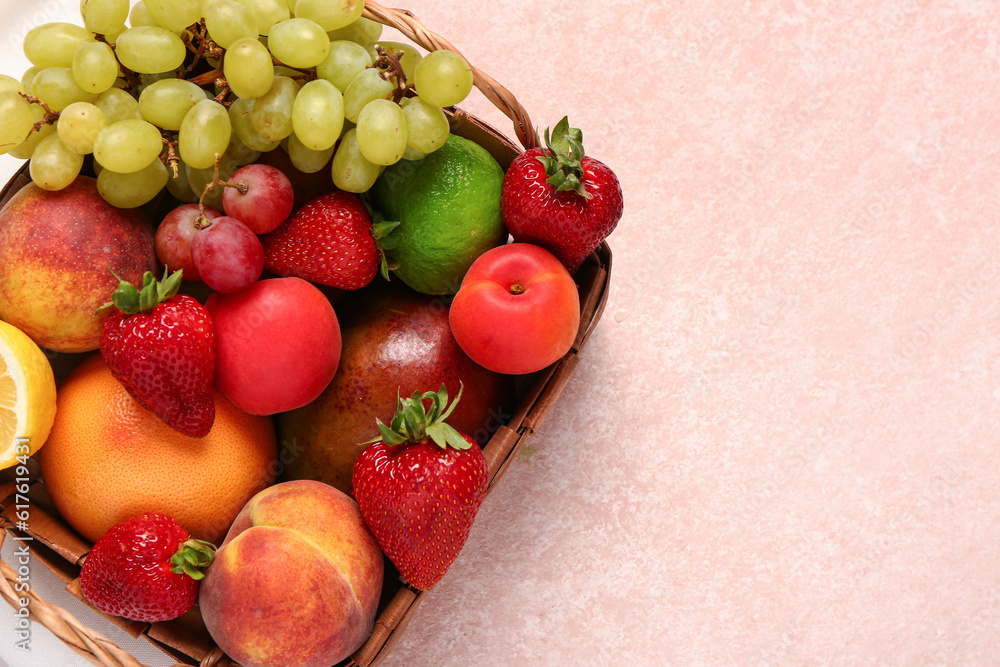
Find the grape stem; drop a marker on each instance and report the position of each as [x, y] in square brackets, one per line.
[389, 65]
[50, 115]
[202, 221]
[206, 48]
[170, 158]
[221, 97]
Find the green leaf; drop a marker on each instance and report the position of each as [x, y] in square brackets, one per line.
[390, 436]
[451, 408]
[455, 438]
[381, 230]
[438, 435]
[415, 418]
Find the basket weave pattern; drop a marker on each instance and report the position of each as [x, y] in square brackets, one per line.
[533, 405]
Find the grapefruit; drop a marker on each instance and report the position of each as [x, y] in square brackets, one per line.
[108, 459]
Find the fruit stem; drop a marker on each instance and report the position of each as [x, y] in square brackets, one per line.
[170, 158]
[389, 64]
[517, 288]
[50, 116]
[192, 558]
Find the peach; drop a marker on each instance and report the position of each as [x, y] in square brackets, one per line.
[296, 581]
[57, 252]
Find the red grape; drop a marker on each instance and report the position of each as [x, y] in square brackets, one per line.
[174, 236]
[268, 201]
[228, 255]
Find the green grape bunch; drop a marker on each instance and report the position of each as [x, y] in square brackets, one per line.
[160, 93]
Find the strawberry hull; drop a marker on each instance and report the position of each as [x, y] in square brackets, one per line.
[186, 639]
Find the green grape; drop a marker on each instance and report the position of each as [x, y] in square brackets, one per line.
[148, 80]
[298, 43]
[306, 159]
[104, 17]
[205, 132]
[53, 44]
[368, 85]
[272, 113]
[56, 87]
[248, 68]
[281, 70]
[17, 120]
[267, 13]
[166, 102]
[140, 16]
[118, 105]
[443, 78]
[344, 62]
[27, 147]
[363, 31]
[9, 83]
[149, 50]
[409, 58]
[240, 152]
[95, 67]
[240, 115]
[330, 14]
[318, 115]
[28, 78]
[179, 187]
[382, 132]
[127, 146]
[412, 155]
[352, 171]
[53, 166]
[228, 21]
[174, 15]
[426, 125]
[135, 189]
[78, 126]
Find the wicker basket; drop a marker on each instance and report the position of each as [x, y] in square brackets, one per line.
[62, 551]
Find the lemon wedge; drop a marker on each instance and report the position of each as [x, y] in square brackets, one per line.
[27, 396]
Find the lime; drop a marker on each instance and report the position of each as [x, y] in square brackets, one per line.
[27, 396]
[448, 208]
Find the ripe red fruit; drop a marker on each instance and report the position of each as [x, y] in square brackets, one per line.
[561, 199]
[145, 569]
[329, 241]
[175, 234]
[419, 487]
[259, 196]
[228, 256]
[161, 347]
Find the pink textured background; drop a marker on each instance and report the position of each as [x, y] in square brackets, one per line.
[780, 447]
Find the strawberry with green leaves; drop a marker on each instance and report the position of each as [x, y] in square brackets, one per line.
[161, 346]
[419, 487]
[560, 198]
[146, 568]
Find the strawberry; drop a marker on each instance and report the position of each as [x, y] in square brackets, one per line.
[419, 486]
[330, 241]
[560, 199]
[161, 346]
[145, 569]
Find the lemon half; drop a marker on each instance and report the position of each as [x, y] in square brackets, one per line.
[27, 396]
